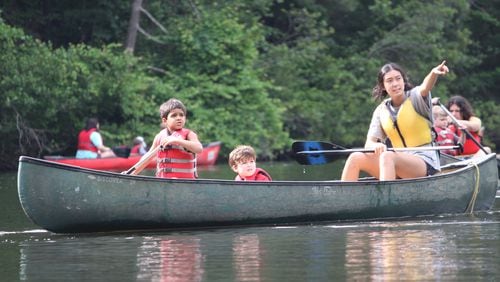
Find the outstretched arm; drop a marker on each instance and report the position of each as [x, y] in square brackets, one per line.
[431, 78]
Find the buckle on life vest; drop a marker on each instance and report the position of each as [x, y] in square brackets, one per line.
[179, 161]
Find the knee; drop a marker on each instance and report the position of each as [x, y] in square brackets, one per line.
[355, 158]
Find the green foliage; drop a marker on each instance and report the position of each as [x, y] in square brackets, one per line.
[212, 58]
[48, 93]
[256, 72]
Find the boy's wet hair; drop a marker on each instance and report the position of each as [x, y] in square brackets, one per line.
[241, 154]
[170, 105]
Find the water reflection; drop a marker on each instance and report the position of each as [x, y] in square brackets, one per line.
[426, 251]
[171, 259]
[449, 249]
[389, 255]
[247, 257]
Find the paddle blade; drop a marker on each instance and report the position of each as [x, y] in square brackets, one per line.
[121, 151]
[312, 158]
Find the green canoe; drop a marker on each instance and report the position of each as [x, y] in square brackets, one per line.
[69, 199]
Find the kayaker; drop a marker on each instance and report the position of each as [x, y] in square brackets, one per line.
[242, 160]
[90, 143]
[175, 146]
[139, 148]
[445, 136]
[462, 111]
[405, 120]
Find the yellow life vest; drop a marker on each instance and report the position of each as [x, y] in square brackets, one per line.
[408, 128]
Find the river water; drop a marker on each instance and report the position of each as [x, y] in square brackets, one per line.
[458, 248]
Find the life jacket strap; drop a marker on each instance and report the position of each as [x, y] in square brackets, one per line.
[179, 161]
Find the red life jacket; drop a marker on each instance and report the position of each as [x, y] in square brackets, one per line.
[469, 147]
[174, 161]
[446, 137]
[84, 142]
[135, 149]
[259, 175]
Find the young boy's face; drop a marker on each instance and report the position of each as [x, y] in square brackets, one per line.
[245, 168]
[441, 121]
[175, 120]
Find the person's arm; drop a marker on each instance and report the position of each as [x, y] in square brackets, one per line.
[472, 125]
[96, 139]
[191, 144]
[375, 132]
[373, 142]
[431, 78]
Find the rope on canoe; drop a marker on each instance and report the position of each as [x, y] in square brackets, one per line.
[470, 206]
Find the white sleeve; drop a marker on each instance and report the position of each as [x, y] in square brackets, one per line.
[375, 129]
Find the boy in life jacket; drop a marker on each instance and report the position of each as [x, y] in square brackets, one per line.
[242, 161]
[175, 145]
[445, 137]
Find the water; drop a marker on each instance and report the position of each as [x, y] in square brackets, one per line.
[458, 248]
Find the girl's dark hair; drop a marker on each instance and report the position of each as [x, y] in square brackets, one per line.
[463, 104]
[378, 91]
[91, 123]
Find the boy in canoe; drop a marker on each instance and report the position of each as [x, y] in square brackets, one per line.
[175, 147]
[242, 160]
[405, 119]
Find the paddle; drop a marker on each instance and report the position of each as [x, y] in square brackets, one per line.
[317, 158]
[144, 161]
[455, 121]
[320, 152]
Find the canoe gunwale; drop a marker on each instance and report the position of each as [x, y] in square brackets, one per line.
[456, 167]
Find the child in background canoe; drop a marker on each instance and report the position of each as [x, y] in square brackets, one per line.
[445, 137]
[242, 161]
[140, 147]
[175, 145]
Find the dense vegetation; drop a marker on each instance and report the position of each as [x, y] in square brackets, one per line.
[261, 72]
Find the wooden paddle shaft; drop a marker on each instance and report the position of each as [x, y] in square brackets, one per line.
[144, 160]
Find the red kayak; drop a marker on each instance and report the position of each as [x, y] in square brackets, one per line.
[207, 157]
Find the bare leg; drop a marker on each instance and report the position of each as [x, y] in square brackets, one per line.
[404, 165]
[357, 162]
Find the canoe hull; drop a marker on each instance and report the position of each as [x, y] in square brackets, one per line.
[206, 158]
[69, 199]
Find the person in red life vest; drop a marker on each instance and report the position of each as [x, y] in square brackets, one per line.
[139, 148]
[90, 144]
[178, 146]
[445, 137]
[242, 161]
[461, 109]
